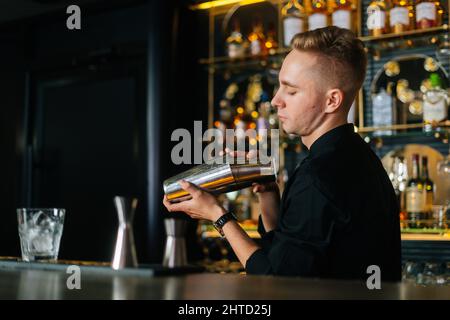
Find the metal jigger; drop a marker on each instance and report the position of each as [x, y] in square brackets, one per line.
[175, 251]
[125, 251]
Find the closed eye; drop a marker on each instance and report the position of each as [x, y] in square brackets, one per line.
[292, 93]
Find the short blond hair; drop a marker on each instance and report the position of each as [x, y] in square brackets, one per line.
[343, 56]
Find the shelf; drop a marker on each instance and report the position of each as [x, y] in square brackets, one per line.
[409, 34]
[277, 57]
[247, 62]
[425, 237]
[439, 128]
[208, 5]
[437, 134]
[419, 235]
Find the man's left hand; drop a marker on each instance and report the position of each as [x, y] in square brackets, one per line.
[203, 205]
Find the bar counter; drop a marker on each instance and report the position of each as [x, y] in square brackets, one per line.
[20, 280]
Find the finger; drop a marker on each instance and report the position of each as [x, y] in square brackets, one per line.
[166, 202]
[194, 216]
[190, 187]
[258, 188]
[182, 207]
[252, 154]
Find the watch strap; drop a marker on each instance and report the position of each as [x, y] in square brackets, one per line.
[223, 220]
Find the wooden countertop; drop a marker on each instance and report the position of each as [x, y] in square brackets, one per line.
[26, 281]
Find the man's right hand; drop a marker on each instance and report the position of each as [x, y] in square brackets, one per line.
[268, 195]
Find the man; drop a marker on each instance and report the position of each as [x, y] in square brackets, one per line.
[338, 214]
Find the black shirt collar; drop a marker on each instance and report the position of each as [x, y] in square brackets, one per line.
[329, 139]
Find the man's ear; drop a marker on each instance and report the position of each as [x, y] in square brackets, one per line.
[334, 100]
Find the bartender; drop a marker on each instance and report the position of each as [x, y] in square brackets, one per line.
[338, 214]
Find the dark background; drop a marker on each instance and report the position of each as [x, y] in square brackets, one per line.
[87, 114]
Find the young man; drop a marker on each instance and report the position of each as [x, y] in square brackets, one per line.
[338, 214]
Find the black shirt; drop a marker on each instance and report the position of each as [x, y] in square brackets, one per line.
[338, 215]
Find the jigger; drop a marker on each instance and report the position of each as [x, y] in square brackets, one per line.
[175, 251]
[125, 251]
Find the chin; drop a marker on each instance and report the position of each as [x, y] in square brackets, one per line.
[287, 129]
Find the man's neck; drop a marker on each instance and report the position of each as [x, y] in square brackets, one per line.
[320, 131]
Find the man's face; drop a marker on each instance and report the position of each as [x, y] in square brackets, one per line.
[300, 100]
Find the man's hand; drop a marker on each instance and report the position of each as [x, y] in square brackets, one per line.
[268, 195]
[203, 205]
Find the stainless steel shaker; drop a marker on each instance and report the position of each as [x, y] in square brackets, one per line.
[220, 178]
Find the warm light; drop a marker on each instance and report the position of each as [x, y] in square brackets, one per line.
[402, 3]
[255, 114]
[268, 45]
[252, 125]
[342, 1]
[318, 5]
[252, 141]
[220, 3]
[440, 11]
[217, 124]
[252, 37]
[240, 110]
[236, 122]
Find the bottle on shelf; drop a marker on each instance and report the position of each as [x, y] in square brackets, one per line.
[294, 20]
[235, 42]
[318, 15]
[342, 14]
[271, 43]
[435, 103]
[426, 14]
[415, 197]
[399, 16]
[383, 110]
[257, 39]
[398, 175]
[428, 186]
[377, 18]
[440, 13]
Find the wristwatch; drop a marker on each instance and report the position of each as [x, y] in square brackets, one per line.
[222, 220]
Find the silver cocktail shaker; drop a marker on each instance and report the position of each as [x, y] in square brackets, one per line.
[220, 178]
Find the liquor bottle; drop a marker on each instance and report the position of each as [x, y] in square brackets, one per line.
[318, 15]
[294, 20]
[235, 42]
[341, 15]
[377, 18]
[257, 39]
[435, 103]
[415, 196]
[428, 186]
[426, 14]
[440, 13]
[271, 43]
[383, 110]
[399, 16]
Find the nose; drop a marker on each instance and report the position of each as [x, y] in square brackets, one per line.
[277, 101]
